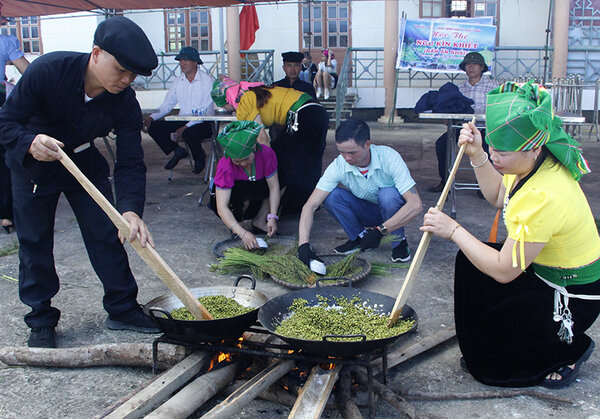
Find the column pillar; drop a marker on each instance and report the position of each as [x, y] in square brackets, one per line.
[390, 52]
[560, 38]
[234, 67]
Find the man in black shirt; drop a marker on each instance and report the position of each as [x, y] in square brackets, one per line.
[292, 65]
[67, 99]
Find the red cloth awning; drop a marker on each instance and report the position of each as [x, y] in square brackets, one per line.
[14, 8]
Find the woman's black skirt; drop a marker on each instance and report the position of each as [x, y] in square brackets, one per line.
[246, 198]
[506, 332]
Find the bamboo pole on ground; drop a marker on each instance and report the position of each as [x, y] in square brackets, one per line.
[316, 391]
[187, 400]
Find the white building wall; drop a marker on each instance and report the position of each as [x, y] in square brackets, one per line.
[153, 24]
[367, 23]
[279, 28]
[74, 32]
[522, 23]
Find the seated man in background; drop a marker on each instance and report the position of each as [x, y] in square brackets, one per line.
[309, 69]
[292, 66]
[191, 90]
[379, 195]
[475, 87]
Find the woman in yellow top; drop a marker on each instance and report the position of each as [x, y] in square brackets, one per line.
[522, 308]
[300, 135]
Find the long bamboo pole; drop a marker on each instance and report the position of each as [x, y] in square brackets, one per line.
[148, 254]
[423, 244]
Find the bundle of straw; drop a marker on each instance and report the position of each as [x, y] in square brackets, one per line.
[283, 266]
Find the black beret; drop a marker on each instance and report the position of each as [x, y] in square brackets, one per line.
[189, 53]
[292, 57]
[128, 43]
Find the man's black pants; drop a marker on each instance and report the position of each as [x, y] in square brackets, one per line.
[160, 131]
[35, 210]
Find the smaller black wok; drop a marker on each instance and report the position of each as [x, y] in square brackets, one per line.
[215, 330]
[274, 311]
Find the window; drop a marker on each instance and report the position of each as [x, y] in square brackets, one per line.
[432, 8]
[325, 24]
[459, 8]
[485, 8]
[187, 28]
[27, 31]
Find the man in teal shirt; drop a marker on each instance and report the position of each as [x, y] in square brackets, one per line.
[379, 195]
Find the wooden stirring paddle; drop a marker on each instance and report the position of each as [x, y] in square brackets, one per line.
[148, 254]
[424, 243]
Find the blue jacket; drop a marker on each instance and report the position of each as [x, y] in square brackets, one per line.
[446, 100]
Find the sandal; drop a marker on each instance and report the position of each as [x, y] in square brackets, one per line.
[567, 374]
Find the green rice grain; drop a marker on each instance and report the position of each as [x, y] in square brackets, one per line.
[339, 316]
[219, 306]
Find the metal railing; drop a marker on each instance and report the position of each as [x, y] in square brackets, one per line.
[257, 65]
[509, 62]
[363, 67]
[342, 87]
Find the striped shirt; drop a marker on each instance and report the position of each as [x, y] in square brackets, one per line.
[478, 92]
[387, 169]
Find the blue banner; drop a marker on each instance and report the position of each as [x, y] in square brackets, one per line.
[439, 45]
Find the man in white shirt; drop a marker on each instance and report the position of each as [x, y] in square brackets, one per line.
[191, 90]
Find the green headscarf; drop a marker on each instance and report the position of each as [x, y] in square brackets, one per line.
[238, 138]
[520, 117]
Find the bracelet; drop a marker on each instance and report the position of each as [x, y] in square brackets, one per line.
[482, 163]
[244, 235]
[233, 225]
[453, 230]
[271, 216]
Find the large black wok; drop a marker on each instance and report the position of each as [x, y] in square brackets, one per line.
[207, 330]
[274, 311]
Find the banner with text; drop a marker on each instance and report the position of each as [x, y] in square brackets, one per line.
[439, 45]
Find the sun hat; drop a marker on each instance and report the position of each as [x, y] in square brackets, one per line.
[473, 58]
[189, 53]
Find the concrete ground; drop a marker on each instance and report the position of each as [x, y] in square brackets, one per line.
[185, 234]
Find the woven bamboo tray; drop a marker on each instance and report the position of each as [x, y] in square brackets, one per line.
[290, 241]
[329, 260]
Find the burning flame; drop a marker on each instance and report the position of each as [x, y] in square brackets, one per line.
[221, 357]
[328, 366]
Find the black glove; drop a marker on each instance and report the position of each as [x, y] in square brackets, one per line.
[305, 254]
[371, 239]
